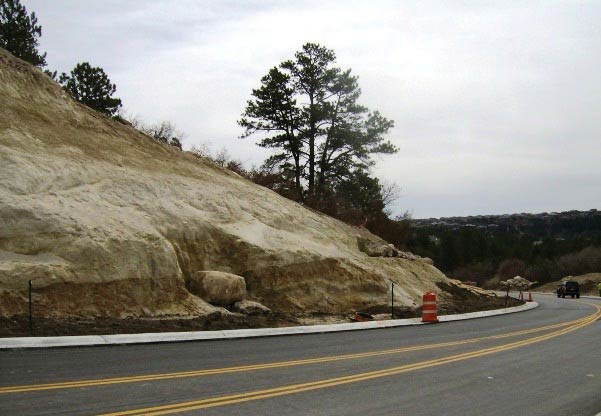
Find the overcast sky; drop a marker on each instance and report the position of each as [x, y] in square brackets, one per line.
[496, 105]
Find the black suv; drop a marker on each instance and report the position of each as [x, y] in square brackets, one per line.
[569, 288]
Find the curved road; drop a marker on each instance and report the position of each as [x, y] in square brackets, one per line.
[546, 361]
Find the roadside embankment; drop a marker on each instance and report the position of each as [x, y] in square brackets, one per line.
[89, 340]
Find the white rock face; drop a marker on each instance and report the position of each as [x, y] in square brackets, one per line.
[108, 222]
[249, 307]
[217, 288]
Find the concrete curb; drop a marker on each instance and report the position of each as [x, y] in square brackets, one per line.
[555, 294]
[95, 340]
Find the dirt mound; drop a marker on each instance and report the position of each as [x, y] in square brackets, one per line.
[107, 222]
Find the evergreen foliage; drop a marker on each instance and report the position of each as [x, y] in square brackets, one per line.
[19, 32]
[91, 86]
[307, 108]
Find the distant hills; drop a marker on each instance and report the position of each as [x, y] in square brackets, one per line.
[542, 247]
[568, 224]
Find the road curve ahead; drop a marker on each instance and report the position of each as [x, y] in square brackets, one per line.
[546, 361]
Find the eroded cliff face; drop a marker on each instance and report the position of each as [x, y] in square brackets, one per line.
[108, 222]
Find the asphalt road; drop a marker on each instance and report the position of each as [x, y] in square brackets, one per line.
[546, 361]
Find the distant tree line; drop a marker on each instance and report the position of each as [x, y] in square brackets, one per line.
[536, 250]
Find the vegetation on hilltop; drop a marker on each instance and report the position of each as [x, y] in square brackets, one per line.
[91, 86]
[19, 32]
[306, 109]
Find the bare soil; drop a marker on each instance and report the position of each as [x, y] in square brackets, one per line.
[460, 300]
[456, 300]
[18, 326]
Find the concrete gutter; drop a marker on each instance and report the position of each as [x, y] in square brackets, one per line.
[555, 294]
[120, 339]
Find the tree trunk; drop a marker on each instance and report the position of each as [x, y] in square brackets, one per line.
[312, 134]
[297, 176]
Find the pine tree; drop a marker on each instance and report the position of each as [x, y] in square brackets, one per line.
[91, 86]
[308, 109]
[274, 110]
[19, 32]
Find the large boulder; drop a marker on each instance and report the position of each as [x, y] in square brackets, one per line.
[217, 288]
[249, 307]
[377, 248]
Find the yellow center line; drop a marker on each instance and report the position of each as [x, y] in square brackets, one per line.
[255, 367]
[315, 385]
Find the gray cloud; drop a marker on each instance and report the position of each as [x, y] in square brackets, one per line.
[496, 103]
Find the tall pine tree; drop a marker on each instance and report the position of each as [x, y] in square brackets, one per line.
[307, 108]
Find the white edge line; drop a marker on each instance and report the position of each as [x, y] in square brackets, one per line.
[119, 339]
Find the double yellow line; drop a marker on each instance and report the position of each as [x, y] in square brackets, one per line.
[321, 384]
[264, 366]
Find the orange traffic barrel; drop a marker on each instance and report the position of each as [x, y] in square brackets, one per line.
[429, 308]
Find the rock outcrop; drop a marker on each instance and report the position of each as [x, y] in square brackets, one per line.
[107, 222]
[377, 248]
[217, 288]
[249, 307]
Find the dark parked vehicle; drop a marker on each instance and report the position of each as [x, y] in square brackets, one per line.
[569, 288]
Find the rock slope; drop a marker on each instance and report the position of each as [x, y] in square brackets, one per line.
[108, 222]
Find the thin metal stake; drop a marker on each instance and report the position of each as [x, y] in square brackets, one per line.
[30, 312]
[392, 302]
